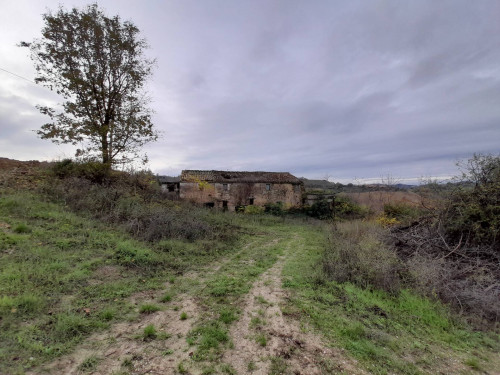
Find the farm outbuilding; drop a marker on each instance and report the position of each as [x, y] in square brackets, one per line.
[229, 189]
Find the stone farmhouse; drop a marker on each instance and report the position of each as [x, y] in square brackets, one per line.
[229, 190]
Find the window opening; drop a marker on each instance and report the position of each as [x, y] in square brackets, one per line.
[268, 187]
[251, 201]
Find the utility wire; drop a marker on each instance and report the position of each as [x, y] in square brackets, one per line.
[18, 76]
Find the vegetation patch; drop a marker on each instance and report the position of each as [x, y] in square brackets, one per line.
[389, 330]
[68, 276]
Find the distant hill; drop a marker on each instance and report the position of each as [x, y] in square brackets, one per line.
[320, 184]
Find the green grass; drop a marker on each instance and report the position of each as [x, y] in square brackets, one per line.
[383, 331]
[278, 366]
[226, 288]
[89, 364]
[149, 332]
[149, 308]
[261, 339]
[64, 276]
[166, 298]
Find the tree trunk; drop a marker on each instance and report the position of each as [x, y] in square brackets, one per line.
[105, 149]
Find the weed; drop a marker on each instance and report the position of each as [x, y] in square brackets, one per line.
[473, 363]
[184, 315]
[227, 369]
[209, 370]
[251, 366]
[182, 368]
[149, 308]
[149, 333]
[228, 315]
[208, 337]
[22, 228]
[226, 285]
[107, 314]
[127, 363]
[69, 326]
[261, 339]
[262, 300]
[167, 352]
[166, 298]
[256, 322]
[29, 303]
[278, 366]
[89, 364]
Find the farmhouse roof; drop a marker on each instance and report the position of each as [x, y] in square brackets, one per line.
[231, 176]
[165, 179]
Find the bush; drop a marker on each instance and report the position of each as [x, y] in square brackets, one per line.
[254, 210]
[400, 211]
[136, 202]
[344, 208]
[473, 215]
[94, 171]
[321, 209]
[356, 254]
[453, 252]
[274, 209]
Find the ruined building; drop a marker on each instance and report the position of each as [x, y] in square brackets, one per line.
[228, 190]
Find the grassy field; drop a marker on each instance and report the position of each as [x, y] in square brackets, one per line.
[65, 277]
[399, 333]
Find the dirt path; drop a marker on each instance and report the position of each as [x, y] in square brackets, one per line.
[268, 342]
[265, 340]
[123, 347]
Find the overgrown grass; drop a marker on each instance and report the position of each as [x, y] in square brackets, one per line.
[387, 332]
[63, 277]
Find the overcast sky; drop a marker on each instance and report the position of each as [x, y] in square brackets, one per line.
[345, 89]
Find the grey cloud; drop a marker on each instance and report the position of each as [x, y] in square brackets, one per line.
[346, 88]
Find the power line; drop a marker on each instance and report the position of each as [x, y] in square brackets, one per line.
[18, 76]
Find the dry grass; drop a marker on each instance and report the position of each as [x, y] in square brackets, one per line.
[375, 200]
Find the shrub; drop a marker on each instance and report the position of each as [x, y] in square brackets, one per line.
[274, 209]
[400, 211]
[344, 208]
[93, 171]
[136, 202]
[453, 252]
[22, 228]
[357, 255]
[473, 214]
[321, 209]
[254, 210]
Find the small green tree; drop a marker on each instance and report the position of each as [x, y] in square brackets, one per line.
[98, 65]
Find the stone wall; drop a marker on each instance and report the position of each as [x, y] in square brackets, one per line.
[235, 194]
